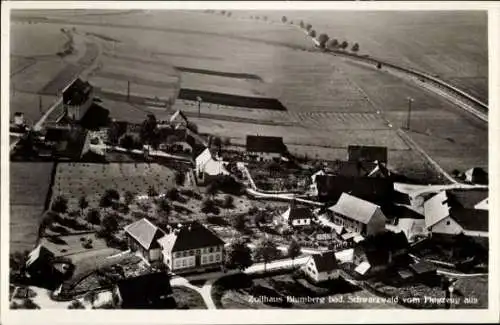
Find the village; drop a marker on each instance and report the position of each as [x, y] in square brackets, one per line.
[159, 215]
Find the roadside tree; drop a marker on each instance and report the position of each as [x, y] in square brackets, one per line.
[333, 44]
[266, 251]
[60, 204]
[239, 222]
[355, 47]
[344, 45]
[238, 255]
[312, 33]
[283, 19]
[293, 250]
[322, 39]
[83, 203]
[109, 196]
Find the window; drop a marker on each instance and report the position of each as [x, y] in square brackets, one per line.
[198, 251]
[211, 249]
[177, 254]
[203, 259]
[184, 263]
[211, 258]
[217, 257]
[191, 252]
[448, 222]
[184, 253]
[217, 248]
[177, 264]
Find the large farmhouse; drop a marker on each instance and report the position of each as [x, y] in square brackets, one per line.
[357, 215]
[77, 99]
[322, 267]
[265, 148]
[143, 237]
[367, 153]
[192, 247]
[296, 216]
[445, 216]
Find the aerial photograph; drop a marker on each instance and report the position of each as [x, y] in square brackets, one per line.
[248, 159]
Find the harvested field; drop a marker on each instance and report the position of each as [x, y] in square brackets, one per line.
[29, 188]
[36, 76]
[61, 80]
[119, 86]
[19, 63]
[91, 180]
[221, 84]
[26, 41]
[228, 98]
[31, 105]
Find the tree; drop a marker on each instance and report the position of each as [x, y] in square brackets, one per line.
[217, 142]
[164, 207]
[355, 47]
[173, 194]
[228, 202]
[333, 44]
[208, 206]
[148, 129]
[259, 218]
[83, 203]
[312, 33]
[28, 303]
[238, 255]
[109, 196]
[344, 45]
[110, 223]
[301, 24]
[180, 178]
[283, 19]
[212, 189]
[94, 216]
[60, 204]
[293, 250]
[308, 27]
[239, 222]
[266, 250]
[152, 191]
[127, 142]
[322, 39]
[76, 304]
[128, 197]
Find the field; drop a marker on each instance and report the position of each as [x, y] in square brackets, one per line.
[30, 42]
[29, 188]
[92, 180]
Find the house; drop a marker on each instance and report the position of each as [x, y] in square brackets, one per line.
[207, 168]
[192, 247]
[357, 215]
[67, 142]
[377, 253]
[149, 291]
[468, 198]
[476, 175]
[367, 153]
[265, 148]
[296, 216]
[39, 262]
[142, 237]
[19, 123]
[444, 216]
[379, 191]
[77, 99]
[322, 267]
[423, 270]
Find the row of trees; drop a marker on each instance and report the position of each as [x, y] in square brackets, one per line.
[240, 256]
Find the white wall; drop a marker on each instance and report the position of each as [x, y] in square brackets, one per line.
[447, 226]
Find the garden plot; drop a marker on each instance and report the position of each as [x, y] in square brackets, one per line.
[74, 180]
[74, 244]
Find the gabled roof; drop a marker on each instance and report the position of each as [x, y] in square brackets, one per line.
[354, 208]
[367, 153]
[258, 143]
[354, 168]
[325, 261]
[436, 209]
[145, 289]
[379, 191]
[296, 212]
[483, 205]
[377, 247]
[77, 93]
[190, 235]
[466, 198]
[144, 232]
[471, 219]
[40, 252]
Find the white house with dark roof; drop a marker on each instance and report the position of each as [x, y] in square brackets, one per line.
[444, 217]
[322, 267]
[142, 237]
[357, 215]
[206, 167]
[265, 148]
[296, 216]
[192, 247]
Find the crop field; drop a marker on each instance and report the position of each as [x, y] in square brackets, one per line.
[222, 84]
[29, 104]
[25, 39]
[92, 180]
[36, 76]
[29, 188]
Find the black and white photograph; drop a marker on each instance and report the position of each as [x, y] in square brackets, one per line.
[279, 157]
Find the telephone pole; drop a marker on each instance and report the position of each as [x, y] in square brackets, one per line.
[199, 99]
[410, 101]
[128, 90]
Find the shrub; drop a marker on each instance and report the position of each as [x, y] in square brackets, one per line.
[180, 178]
[109, 197]
[173, 194]
[152, 191]
[228, 202]
[110, 223]
[208, 206]
[60, 204]
[94, 217]
[76, 304]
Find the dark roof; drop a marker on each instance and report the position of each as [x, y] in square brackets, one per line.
[471, 219]
[77, 93]
[325, 261]
[367, 153]
[144, 290]
[70, 141]
[423, 267]
[297, 212]
[466, 198]
[377, 257]
[379, 191]
[386, 241]
[257, 143]
[144, 232]
[190, 235]
[353, 168]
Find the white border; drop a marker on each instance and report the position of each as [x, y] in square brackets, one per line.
[258, 316]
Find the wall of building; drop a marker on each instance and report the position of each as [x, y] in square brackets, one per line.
[196, 257]
[347, 223]
[301, 222]
[376, 224]
[265, 156]
[447, 226]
